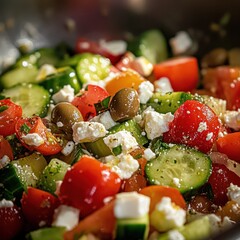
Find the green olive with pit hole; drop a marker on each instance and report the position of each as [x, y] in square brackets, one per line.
[64, 115]
[124, 105]
[214, 58]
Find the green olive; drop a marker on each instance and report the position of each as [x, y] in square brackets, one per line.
[64, 115]
[214, 58]
[124, 105]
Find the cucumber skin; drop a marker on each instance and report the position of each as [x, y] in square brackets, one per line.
[153, 174]
[53, 233]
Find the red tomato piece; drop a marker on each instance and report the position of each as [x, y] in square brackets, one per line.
[9, 114]
[195, 125]
[5, 148]
[85, 102]
[26, 126]
[230, 145]
[38, 207]
[87, 184]
[11, 222]
[220, 180]
[182, 72]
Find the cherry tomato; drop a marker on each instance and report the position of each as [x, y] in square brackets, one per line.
[11, 222]
[25, 126]
[194, 125]
[85, 102]
[9, 114]
[38, 207]
[182, 72]
[230, 145]
[201, 204]
[5, 148]
[87, 184]
[224, 83]
[220, 180]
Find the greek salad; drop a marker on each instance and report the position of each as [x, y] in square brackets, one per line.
[118, 139]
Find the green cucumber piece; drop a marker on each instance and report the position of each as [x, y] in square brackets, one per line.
[33, 98]
[100, 149]
[54, 171]
[134, 228]
[190, 166]
[72, 61]
[92, 67]
[168, 102]
[18, 75]
[150, 44]
[196, 230]
[52, 233]
[64, 76]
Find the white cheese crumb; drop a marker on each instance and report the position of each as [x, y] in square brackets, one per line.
[4, 161]
[145, 91]
[33, 139]
[88, 131]
[6, 203]
[202, 127]
[116, 47]
[163, 85]
[68, 148]
[209, 136]
[59, 124]
[148, 154]
[131, 205]
[142, 66]
[66, 216]
[45, 70]
[180, 43]
[105, 119]
[176, 182]
[232, 119]
[66, 94]
[233, 193]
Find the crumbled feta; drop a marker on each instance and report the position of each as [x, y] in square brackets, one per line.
[148, 154]
[167, 215]
[88, 131]
[105, 119]
[176, 182]
[59, 124]
[66, 94]
[145, 91]
[122, 138]
[116, 47]
[233, 193]
[131, 205]
[6, 203]
[163, 85]
[45, 70]
[66, 216]
[232, 119]
[156, 124]
[142, 66]
[175, 235]
[4, 161]
[209, 136]
[33, 139]
[180, 43]
[202, 127]
[68, 148]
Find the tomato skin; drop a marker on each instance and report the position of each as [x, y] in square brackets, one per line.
[5, 148]
[9, 117]
[87, 184]
[186, 126]
[182, 72]
[85, 102]
[36, 125]
[11, 222]
[38, 207]
[230, 145]
[220, 180]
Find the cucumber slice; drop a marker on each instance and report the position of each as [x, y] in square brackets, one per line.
[168, 102]
[100, 149]
[134, 229]
[53, 233]
[92, 67]
[53, 172]
[191, 167]
[33, 98]
[150, 44]
[64, 76]
[18, 75]
[196, 230]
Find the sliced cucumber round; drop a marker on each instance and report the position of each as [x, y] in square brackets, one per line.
[33, 98]
[180, 167]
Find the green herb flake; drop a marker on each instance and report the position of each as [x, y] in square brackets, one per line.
[25, 128]
[117, 150]
[103, 105]
[3, 108]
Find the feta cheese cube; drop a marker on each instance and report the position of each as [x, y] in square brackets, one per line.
[68, 148]
[233, 193]
[122, 138]
[148, 154]
[163, 85]
[232, 119]
[45, 70]
[105, 119]
[4, 161]
[66, 216]
[142, 66]
[131, 205]
[6, 203]
[88, 131]
[66, 94]
[181, 43]
[145, 91]
[116, 47]
[33, 139]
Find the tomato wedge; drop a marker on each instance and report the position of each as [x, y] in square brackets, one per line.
[49, 144]
[9, 114]
[5, 148]
[182, 72]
